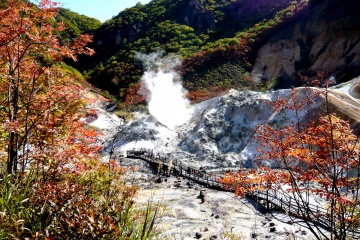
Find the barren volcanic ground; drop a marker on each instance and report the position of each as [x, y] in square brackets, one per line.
[218, 137]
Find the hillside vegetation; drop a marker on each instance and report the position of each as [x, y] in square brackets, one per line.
[76, 24]
[219, 42]
[212, 37]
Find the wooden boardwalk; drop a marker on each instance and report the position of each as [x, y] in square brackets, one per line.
[176, 168]
[269, 199]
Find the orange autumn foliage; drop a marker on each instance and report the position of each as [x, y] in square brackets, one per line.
[52, 182]
[39, 106]
[319, 159]
[205, 94]
[133, 96]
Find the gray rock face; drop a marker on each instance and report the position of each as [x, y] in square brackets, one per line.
[279, 58]
[276, 59]
[221, 131]
[220, 135]
[310, 46]
[227, 129]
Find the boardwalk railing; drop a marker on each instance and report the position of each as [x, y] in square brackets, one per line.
[169, 166]
[270, 199]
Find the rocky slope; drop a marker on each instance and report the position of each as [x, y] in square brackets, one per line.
[326, 39]
[220, 134]
[273, 40]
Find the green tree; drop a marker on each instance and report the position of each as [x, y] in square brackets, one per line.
[76, 24]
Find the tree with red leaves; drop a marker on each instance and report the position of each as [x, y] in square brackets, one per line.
[314, 159]
[38, 105]
[53, 184]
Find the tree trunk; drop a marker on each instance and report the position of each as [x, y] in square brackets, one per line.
[12, 153]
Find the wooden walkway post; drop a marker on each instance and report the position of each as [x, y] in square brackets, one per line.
[289, 205]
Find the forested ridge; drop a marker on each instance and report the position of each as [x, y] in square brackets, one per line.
[217, 41]
[76, 24]
[213, 38]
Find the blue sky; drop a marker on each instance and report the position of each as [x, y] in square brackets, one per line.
[99, 9]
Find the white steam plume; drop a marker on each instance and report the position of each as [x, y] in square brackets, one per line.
[166, 97]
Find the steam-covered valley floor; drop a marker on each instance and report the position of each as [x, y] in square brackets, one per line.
[218, 137]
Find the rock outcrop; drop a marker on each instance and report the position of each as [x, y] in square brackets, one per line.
[327, 39]
[344, 100]
[225, 132]
[246, 8]
[221, 132]
[197, 16]
[276, 59]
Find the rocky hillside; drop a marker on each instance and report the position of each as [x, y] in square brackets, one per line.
[326, 38]
[186, 28]
[252, 44]
[221, 132]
